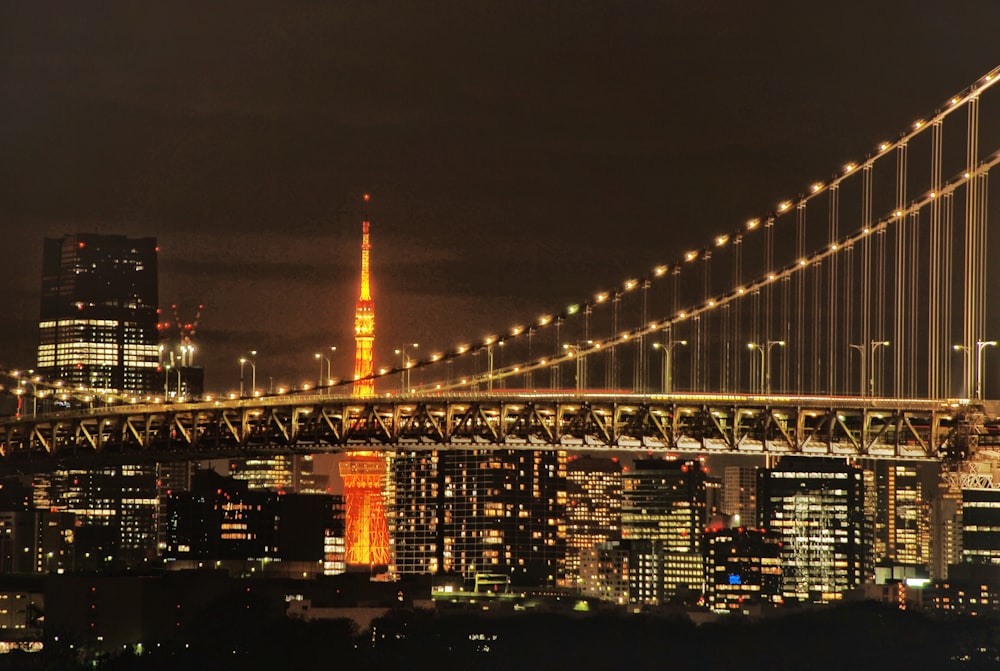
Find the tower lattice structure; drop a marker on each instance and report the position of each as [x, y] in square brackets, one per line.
[363, 472]
[364, 322]
[367, 533]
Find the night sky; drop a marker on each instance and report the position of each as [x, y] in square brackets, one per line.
[520, 155]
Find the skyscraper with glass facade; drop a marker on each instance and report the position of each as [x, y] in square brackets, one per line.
[476, 512]
[593, 508]
[98, 317]
[817, 508]
[664, 501]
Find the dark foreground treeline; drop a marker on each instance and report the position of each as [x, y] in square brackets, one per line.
[851, 636]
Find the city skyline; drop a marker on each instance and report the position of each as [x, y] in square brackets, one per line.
[501, 148]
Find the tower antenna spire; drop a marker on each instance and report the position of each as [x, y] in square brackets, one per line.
[364, 320]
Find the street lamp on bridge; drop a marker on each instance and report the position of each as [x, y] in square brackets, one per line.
[765, 361]
[320, 357]
[667, 348]
[404, 365]
[868, 363]
[980, 346]
[490, 342]
[252, 360]
[581, 370]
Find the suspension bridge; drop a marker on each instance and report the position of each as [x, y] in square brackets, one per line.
[851, 320]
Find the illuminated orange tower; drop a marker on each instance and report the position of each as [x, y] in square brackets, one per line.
[363, 472]
[364, 322]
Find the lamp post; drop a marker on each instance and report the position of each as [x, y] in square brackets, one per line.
[166, 382]
[861, 377]
[875, 344]
[319, 377]
[666, 377]
[980, 346]
[581, 365]
[329, 370]
[765, 361]
[489, 363]
[22, 384]
[404, 364]
[253, 368]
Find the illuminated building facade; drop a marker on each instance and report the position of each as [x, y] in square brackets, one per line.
[981, 526]
[116, 511]
[604, 572]
[664, 501]
[480, 512]
[946, 529]
[290, 473]
[816, 507]
[36, 541]
[740, 493]
[593, 508]
[98, 317]
[415, 492]
[907, 532]
[742, 569]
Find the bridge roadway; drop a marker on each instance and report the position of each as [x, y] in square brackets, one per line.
[883, 428]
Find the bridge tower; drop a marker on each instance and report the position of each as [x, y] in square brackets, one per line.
[363, 472]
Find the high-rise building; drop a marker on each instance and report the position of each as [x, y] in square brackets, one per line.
[415, 493]
[479, 512]
[593, 508]
[224, 520]
[604, 572]
[946, 529]
[290, 473]
[981, 525]
[742, 569]
[907, 531]
[98, 317]
[116, 510]
[817, 508]
[740, 493]
[664, 501]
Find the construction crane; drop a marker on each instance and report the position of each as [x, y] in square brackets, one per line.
[186, 330]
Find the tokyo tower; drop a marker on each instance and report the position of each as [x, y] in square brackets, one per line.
[363, 472]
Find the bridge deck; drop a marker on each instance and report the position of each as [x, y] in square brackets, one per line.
[883, 428]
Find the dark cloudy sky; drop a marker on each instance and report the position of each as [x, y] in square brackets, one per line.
[520, 155]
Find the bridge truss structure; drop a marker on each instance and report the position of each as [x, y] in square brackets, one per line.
[763, 426]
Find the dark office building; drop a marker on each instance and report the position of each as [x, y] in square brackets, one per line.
[223, 519]
[115, 509]
[742, 569]
[97, 326]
